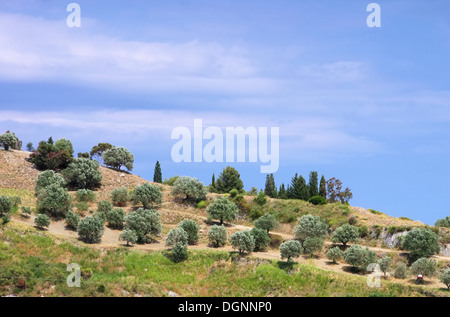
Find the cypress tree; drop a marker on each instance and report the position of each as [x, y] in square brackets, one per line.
[157, 176]
[313, 184]
[323, 187]
[282, 193]
[212, 187]
[270, 188]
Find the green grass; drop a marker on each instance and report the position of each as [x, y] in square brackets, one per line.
[27, 196]
[40, 261]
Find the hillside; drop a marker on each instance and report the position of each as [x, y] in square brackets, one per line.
[17, 177]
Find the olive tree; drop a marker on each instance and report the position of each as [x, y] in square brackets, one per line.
[8, 140]
[445, 277]
[291, 249]
[42, 221]
[118, 157]
[104, 206]
[401, 270]
[119, 196]
[191, 189]
[334, 254]
[54, 201]
[144, 222]
[243, 241]
[312, 245]
[72, 220]
[385, 264]
[175, 236]
[147, 194]
[223, 209]
[83, 173]
[5, 205]
[310, 226]
[179, 252]
[267, 222]
[424, 266]
[359, 257]
[421, 243]
[90, 229]
[345, 234]
[191, 228]
[262, 239]
[217, 235]
[129, 236]
[47, 178]
[115, 218]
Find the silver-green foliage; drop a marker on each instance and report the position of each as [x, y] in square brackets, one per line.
[191, 228]
[144, 222]
[223, 209]
[189, 188]
[147, 194]
[129, 236]
[47, 178]
[267, 222]
[445, 277]
[5, 205]
[119, 196]
[54, 200]
[118, 157]
[72, 220]
[359, 257]
[424, 266]
[385, 264]
[42, 221]
[217, 235]
[243, 241]
[310, 226]
[262, 239]
[335, 254]
[115, 218]
[344, 234]
[90, 229]
[291, 249]
[176, 236]
[401, 270]
[83, 173]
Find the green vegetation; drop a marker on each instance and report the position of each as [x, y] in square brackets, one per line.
[157, 175]
[145, 223]
[176, 236]
[401, 270]
[42, 221]
[334, 254]
[48, 178]
[119, 196]
[52, 156]
[424, 266]
[72, 220]
[54, 201]
[359, 257]
[85, 195]
[90, 229]
[290, 250]
[262, 239]
[344, 234]
[267, 222]
[222, 209]
[445, 277]
[83, 173]
[115, 218]
[118, 157]
[310, 226]
[9, 141]
[445, 222]
[217, 236]
[189, 188]
[147, 194]
[229, 179]
[421, 243]
[191, 228]
[243, 241]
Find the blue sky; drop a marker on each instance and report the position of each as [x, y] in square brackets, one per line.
[369, 106]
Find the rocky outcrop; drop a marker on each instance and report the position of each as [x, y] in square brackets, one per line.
[445, 250]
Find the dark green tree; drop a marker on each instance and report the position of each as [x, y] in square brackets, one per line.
[212, 187]
[313, 184]
[229, 179]
[303, 189]
[282, 193]
[270, 188]
[323, 187]
[97, 151]
[157, 176]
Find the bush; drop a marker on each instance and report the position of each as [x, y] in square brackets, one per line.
[85, 195]
[317, 200]
[261, 198]
[401, 270]
[119, 196]
[359, 257]
[267, 222]
[262, 239]
[201, 204]
[243, 241]
[42, 221]
[385, 264]
[9, 141]
[47, 178]
[421, 243]
[83, 207]
[223, 209]
[176, 236]
[424, 266]
[115, 218]
[445, 222]
[147, 194]
[5, 205]
[144, 222]
[104, 206]
[291, 249]
[54, 201]
[179, 252]
[191, 189]
[129, 236]
[90, 229]
[335, 254]
[101, 216]
[445, 278]
[310, 226]
[233, 193]
[118, 157]
[229, 179]
[191, 228]
[275, 241]
[50, 156]
[26, 211]
[72, 220]
[83, 174]
[171, 180]
[217, 235]
[363, 231]
[345, 234]
[312, 245]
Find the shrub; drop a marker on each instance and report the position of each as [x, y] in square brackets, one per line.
[6, 218]
[385, 264]
[118, 157]
[119, 196]
[291, 249]
[424, 266]
[363, 231]
[191, 189]
[50, 156]
[445, 278]
[217, 235]
[54, 201]
[144, 222]
[101, 216]
[72, 220]
[243, 241]
[147, 194]
[85, 195]
[261, 198]
[201, 204]
[176, 236]
[275, 241]
[310, 226]
[401, 270]
[104, 206]
[267, 222]
[26, 211]
[42, 221]
[47, 178]
[83, 207]
[171, 180]
[317, 200]
[5, 205]
[262, 239]
[345, 234]
[335, 254]
[445, 222]
[229, 179]
[359, 257]
[179, 252]
[90, 229]
[9, 141]
[191, 228]
[223, 209]
[421, 243]
[234, 192]
[83, 174]
[115, 217]
[129, 236]
[312, 245]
